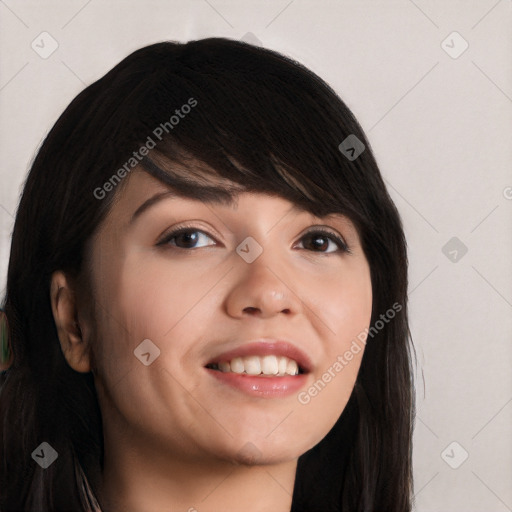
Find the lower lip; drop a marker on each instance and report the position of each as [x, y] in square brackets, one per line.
[267, 387]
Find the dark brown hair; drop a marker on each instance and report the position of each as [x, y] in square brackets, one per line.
[268, 124]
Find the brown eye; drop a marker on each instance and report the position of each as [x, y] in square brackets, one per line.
[185, 238]
[319, 240]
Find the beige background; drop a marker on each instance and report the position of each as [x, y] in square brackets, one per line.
[441, 131]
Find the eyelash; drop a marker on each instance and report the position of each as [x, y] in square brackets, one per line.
[342, 246]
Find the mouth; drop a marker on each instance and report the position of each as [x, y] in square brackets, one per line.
[262, 368]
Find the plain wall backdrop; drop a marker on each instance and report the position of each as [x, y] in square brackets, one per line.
[431, 84]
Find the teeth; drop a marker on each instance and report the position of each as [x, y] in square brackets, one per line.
[269, 365]
[224, 366]
[256, 365]
[236, 366]
[292, 368]
[252, 365]
[282, 365]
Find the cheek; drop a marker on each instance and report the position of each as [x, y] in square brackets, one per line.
[158, 299]
[344, 304]
[345, 311]
[142, 308]
[148, 302]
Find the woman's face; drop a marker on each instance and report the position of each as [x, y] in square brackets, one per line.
[248, 284]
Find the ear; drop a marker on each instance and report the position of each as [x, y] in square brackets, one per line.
[65, 313]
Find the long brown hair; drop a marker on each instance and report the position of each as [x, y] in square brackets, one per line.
[267, 123]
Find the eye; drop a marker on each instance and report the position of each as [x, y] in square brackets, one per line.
[185, 238]
[319, 241]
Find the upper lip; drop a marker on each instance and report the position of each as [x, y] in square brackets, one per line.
[266, 347]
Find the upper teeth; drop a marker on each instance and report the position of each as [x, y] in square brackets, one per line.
[256, 365]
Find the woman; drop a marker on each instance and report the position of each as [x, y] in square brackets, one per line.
[206, 298]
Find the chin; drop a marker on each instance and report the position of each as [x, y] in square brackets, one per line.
[263, 452]
[251, 456]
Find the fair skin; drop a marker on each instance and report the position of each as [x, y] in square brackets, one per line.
[175, 437]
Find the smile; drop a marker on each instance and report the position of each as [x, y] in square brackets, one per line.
[264, 368]
[270, 365]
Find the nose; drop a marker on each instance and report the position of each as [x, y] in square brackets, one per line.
[263, 289]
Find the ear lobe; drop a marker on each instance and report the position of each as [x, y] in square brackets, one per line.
[63, 300]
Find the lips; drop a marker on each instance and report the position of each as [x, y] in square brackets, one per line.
[265, 347]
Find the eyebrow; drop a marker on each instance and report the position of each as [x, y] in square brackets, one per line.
[209, 194]
[169, 194]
